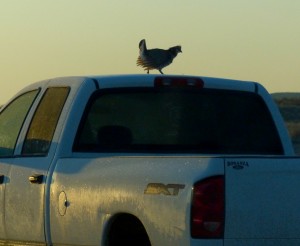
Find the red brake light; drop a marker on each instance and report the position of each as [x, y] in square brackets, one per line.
[165, 81]
[207, 212]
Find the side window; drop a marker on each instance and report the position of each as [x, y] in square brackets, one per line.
[42, 127]
[11, 121]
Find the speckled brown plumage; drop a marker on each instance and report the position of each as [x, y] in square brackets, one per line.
[156, 58]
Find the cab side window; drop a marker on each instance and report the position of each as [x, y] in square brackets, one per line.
[45, 119]
[11, 121]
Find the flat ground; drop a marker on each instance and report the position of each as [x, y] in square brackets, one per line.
[289, 106]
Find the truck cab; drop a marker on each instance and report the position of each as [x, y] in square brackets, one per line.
[146, 160]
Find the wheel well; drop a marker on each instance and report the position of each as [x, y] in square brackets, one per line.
[126, 229]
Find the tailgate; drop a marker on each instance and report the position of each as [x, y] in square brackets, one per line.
[262, 201]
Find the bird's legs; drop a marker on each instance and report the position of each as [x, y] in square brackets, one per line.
[158, 70]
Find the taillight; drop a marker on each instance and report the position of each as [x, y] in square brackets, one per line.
[207, 212]
[178, 82]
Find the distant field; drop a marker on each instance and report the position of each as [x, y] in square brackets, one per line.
[289, 106]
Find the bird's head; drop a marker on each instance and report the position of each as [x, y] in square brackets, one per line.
[176, 49]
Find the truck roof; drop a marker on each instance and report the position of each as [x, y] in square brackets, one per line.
[133, 80]
[147, 80]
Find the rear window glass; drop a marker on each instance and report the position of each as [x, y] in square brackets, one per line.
[152, 120]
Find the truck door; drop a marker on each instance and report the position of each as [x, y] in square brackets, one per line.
[262, 201]
[11, 120]
[25, 188]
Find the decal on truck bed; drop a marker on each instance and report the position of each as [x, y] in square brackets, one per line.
[167, 190]
[238, 165]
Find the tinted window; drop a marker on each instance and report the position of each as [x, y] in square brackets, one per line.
[11, 121]
[181, 121]
[42, 127]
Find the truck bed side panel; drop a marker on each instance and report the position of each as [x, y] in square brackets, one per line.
[157, 190]
[262, 201]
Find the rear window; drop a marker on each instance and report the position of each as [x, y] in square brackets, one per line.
[151, 120]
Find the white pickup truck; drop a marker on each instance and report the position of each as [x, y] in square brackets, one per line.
[146, 160]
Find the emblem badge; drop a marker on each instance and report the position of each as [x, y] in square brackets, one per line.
[238, 165]
[167, 190]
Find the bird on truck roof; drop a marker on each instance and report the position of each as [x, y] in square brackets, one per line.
[156, 58]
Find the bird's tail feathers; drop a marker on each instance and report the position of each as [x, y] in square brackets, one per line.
[144, 64]
[142, 45]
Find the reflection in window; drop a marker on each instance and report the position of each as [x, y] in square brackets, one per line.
[42, 127]
[178, 121]
[11, 121]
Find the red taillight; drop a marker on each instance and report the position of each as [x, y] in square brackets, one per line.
[207, 212]
[165, 81]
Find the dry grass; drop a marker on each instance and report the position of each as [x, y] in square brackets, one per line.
[294, 131]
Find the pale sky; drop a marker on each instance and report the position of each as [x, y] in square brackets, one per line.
[255, 40]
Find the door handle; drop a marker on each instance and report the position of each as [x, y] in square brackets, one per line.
[36, 178]
[1, 178]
